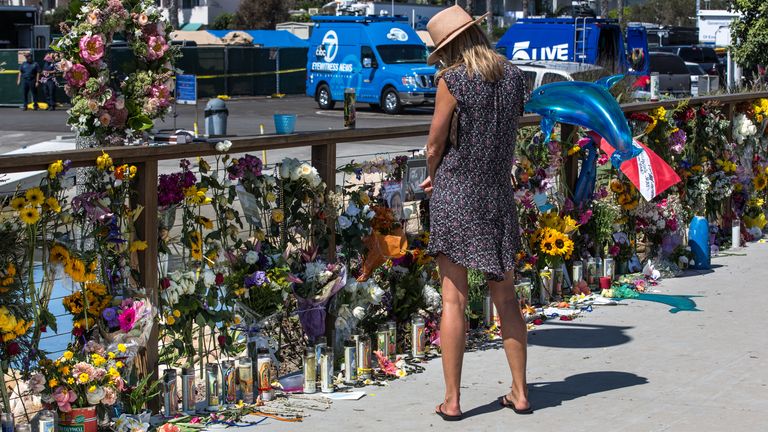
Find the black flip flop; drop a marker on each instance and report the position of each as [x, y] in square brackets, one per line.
[506, 403]
[448, 417]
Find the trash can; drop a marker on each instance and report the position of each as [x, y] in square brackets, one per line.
[216, 114]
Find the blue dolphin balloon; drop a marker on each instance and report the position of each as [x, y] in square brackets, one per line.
[588, 105]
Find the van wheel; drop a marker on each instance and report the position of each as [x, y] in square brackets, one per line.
[324, 99]
[390, 101]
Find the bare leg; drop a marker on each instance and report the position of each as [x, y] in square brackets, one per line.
[452, 330]
[515, 336]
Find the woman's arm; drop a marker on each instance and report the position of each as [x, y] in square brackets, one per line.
[445, 104]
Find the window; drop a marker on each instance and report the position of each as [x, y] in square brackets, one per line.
[668, 64]
[189, 4]
[367, 57]
[550, 77]
[402, 53]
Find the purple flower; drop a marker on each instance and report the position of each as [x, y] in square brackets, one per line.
[257, 279]
[677, 141]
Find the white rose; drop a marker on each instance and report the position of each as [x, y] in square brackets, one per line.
[223, 146]
[251, 257]
[285, 170]
[305, 170]
[95, 397]
[296, 173]
[358, 312]
[344, 222]
[376, 294]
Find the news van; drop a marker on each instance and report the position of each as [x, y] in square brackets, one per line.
[580, 39]
[381, 57]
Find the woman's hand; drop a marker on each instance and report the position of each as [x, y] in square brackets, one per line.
[426, 185]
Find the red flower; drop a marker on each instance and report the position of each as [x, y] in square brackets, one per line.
[219, 278]
[165, 283]
[78, 331]
[538, 321]
[643, 117]
[222, 341]
[13, 349]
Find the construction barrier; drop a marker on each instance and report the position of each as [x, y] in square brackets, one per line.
[228, 70]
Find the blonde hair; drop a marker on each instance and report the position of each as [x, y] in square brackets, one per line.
[472, 49]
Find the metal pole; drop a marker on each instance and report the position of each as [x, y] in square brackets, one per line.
[277, 70]
[729, 72]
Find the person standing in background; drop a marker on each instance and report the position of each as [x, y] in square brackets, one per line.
[48, 80]
[29, 76]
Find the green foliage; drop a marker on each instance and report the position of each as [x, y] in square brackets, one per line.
[145, 390]
[749, 35]
[56, 17]
[261, 14]
[225, 21]
[666, 12]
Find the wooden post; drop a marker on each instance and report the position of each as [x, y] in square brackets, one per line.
[324, 159]
[568, 135]
[730, 112]
[147, 230]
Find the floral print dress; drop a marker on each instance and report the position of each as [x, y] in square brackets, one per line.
[473, 218]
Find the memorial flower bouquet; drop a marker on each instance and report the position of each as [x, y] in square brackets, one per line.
[82, 377]
[112, 105]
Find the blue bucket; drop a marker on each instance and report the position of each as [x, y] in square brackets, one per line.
[285, 123]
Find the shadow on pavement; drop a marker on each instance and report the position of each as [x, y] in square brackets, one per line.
[552, 394]
[573, 335]
[692, 273]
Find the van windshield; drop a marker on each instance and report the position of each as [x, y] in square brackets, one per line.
[402, 53]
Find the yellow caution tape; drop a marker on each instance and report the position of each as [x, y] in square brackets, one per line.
[247, 74]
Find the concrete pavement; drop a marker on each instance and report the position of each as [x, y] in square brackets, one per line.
[633, 367]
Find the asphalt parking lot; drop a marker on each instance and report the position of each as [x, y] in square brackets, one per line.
[20, 128]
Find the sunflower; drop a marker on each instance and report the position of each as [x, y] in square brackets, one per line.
[75, 268]
[103, 162]
[35, 196]
[18, 203]
[560, 243]
[617, 186]
[547, 243]
[278, 216]
[550, 220]
[760, 181]
[204, 221]
[58, 254]
[55, 168]
[29, 215]
[631, 204]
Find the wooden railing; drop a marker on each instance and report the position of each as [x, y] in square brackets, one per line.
[323, 146]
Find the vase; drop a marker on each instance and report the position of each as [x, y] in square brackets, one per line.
[622, 267]
[78, 420]
[698, 240]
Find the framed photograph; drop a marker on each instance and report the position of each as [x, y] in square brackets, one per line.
[393, 194]
[415, 174]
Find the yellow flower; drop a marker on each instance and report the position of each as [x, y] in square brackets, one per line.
[617, 186]
[260, 236]
[83, 378]
[35, 196]
[204, 221]
[659, 113]
[119, 365]
[64, 370]
[176, 313]
[113, 373]
[55, 168]
[18, 203]
[70, 380]
[271, 197]
[121, 348]
[97, 360]
[170, 320]
[760, 181]
[132, 170]
[29, 215]
[196, 196]
[278, 216]
[573, 150]
[91, 389]
[569, 225]
[111, 355]
[75, 268]
[138, 245]
[103, 162]
[53, 204]
[53, 382]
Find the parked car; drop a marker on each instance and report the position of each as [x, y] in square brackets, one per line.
[706, 57]
[538, 72]
[674, 77]
[696, 71]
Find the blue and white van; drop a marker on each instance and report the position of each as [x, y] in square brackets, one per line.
[382, 58]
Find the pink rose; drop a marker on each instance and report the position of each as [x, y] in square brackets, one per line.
[93, 18]
[120, 103]
[142, 19]
[127, 319]
[64, 398]
[99, 374]
[104, 119]
[156, 47]
[613, 250]
[110, 396]
[83, 368]
[92, 48]
[64, 65]
[162, 94]
[77, 75]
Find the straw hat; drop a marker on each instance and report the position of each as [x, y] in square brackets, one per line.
[446, 25]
